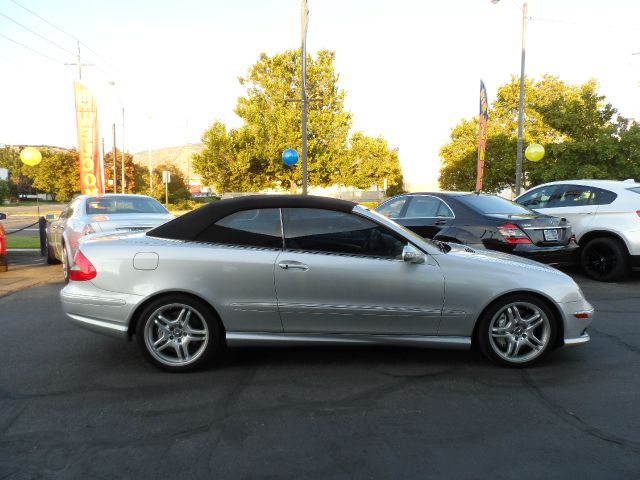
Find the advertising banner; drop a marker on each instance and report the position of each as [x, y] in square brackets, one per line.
[91, 172]
[483, 121]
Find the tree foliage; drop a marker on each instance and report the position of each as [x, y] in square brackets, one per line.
[58, 173]
[177, 187]
[582, 134]
[129, 172]
[249, 158]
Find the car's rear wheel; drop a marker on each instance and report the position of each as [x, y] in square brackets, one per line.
[604, 259]
[517, 330]
[179, 333]
[51, 259]
[66, 263]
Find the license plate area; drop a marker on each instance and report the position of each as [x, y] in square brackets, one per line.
[550, 235]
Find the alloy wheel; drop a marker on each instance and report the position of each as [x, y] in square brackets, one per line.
[519, 332]
[176, 334]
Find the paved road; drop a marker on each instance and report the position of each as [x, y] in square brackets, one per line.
[24, 218]
[78, 405]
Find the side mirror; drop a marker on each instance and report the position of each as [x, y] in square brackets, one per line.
[50, 217]
[411, 254]
[3, 216]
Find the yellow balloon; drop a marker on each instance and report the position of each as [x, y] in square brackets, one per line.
[534, 152]
[30, 156]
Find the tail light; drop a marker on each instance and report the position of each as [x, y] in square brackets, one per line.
[82, 269]
[638, 212]
[513, 234]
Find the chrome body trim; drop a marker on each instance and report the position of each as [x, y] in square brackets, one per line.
[301, 339]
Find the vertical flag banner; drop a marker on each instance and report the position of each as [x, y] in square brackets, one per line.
[91, 173]
[483, 121]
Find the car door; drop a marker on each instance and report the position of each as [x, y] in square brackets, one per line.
[241, 249]
[576, 203]
[341, 273]
[426, 215]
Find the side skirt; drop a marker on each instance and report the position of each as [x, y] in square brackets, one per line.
[237, 339]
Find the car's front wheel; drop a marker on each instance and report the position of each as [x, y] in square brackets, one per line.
[517, 330]
[179, 333]
[604, 259]
[51, 259]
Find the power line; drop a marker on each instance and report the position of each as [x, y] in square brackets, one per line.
[68, 34]
[32, 49]
[36, 33]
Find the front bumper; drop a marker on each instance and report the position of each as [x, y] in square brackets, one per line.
[98, 310]
[577, 316]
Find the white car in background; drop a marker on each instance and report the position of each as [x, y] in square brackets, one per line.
[605, 217]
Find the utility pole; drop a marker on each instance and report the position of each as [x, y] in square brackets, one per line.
[79, 63]
[122, 166]
[115, 162]
[304, 99]
[521, 103]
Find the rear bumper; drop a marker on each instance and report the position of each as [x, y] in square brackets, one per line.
[98, 310]
[564, 255]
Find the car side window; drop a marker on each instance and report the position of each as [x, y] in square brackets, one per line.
[444, 211]
[423, 206]
[252, 228]
[542, 197]
[320, 230]
[574, 196]
[392, 208]
[604, 197]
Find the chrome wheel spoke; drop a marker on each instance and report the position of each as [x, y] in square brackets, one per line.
[161, 344]
[534, 341]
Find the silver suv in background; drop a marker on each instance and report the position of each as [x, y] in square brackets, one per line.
[605, 216]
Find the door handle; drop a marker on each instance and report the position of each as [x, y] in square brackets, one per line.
[441, 222]
[292, 265]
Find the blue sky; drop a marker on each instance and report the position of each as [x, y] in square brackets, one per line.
[411, 69]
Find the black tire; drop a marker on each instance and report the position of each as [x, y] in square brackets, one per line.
[66, 263]
[517, 340]
[186, 327]
[51, 259]
[604, 259]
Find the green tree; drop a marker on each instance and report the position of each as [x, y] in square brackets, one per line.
[58, 173]
[249, 158]
[369, 161]
[177, 186]
[129, 172]
[10, 159]
[582, 135]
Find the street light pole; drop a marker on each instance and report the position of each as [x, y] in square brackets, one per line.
[114, 84]
[525, 10]
[521, 103]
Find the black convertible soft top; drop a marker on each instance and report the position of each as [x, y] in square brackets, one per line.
[190, 225]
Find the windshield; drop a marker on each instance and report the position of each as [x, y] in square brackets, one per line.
[489, 204]
[123, 204]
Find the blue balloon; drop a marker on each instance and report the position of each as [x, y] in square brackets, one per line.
[290, 156]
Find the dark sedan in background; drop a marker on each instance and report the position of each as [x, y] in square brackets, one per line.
[484, 221]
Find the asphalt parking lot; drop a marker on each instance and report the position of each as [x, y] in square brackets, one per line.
[74, 404]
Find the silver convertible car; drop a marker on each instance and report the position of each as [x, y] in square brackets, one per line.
[303, 270]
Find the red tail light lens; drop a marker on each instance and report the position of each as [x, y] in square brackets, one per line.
[638, 212]
[513, 234]
[82, 269]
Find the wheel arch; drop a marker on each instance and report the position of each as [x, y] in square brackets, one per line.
[135, 316]
[547, 301]
[587, 237]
